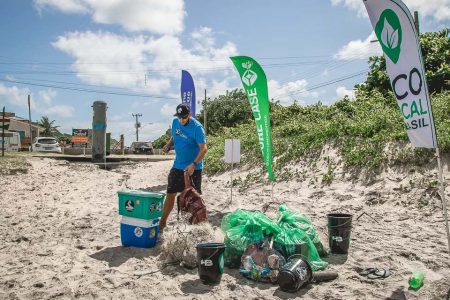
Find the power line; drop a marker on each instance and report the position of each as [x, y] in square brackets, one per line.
[88, 90]
[322, 84]
[73, 83]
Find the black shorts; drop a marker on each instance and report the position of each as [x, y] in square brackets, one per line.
[175, 180]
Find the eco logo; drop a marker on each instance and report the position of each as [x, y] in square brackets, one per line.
[129, 205]
[249, 77]
[389, 33]
[138, 231]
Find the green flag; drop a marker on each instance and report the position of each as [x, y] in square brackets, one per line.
[255, 85]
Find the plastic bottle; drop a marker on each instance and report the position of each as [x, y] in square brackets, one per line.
[416, 280]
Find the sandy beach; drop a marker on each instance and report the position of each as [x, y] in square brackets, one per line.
[59, 227]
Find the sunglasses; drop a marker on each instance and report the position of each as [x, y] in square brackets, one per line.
[183, 118]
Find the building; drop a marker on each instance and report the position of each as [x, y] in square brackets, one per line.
[22, 126]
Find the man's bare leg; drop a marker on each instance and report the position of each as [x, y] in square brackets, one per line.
[168, 206]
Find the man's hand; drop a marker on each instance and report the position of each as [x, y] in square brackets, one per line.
[166, 148]
[190, 169]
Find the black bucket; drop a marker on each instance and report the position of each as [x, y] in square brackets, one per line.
[210, 262]
[339, 232]
[294, 274]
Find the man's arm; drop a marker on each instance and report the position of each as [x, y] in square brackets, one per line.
[169, 145]
[200, 155]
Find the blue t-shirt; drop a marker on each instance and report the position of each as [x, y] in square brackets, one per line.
[186, 140]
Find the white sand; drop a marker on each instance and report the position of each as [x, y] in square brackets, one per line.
[60, 238]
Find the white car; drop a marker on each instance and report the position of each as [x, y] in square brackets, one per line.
[46, 144]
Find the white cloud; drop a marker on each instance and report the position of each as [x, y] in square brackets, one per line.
[62, 111]
[169, 55]
[67, 6]
[356, 5]
[216, 88]
[161, 17]
[359, 49]
[167, 110]
[47, 96]
[109, 59]
[289, 92]
[341, 92]
[115, 60]
[15, 96]
[437, 9]
[153, 131]
[41, 102]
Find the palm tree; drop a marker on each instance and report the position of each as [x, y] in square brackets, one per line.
[49, 128]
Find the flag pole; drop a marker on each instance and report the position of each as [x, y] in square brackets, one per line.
[3, 132]
[444, 201]
[272, 191]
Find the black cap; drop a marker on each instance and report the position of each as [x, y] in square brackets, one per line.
[183, 110]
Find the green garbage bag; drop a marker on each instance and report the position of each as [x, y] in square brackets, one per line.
[240, 217]
[242, 228]
[233, 219]
[294, 241]
[298, 236]
[290, 219]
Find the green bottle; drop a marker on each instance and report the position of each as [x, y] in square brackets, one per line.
[416, 280]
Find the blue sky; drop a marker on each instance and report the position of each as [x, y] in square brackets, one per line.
[130, 53]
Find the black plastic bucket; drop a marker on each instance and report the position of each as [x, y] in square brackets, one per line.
[339, 232]
[210, 262]
[294, 274]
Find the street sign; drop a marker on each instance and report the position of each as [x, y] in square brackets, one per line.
[80, 139]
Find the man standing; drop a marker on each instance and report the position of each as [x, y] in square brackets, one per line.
[189, 141]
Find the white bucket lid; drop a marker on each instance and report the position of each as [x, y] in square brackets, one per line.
[139, 222]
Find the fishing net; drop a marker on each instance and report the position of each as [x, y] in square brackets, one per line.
[180, 241]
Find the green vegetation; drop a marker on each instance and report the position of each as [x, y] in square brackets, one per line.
[359, 129]
[368, 132]
[13, 163]
[162, 140]
[49, 128]
[436, 56]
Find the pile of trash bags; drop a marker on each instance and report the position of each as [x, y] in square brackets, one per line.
[260, 245]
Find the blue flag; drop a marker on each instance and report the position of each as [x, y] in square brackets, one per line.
[188, 90]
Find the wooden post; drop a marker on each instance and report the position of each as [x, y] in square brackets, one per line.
[122, 148]
[444, 202]
[416, 21]
[204, 115]
[31, 131]
[3, 133]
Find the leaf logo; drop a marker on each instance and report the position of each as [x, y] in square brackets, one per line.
[389, 33]
[249, 77]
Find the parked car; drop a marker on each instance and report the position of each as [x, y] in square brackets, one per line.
[46, 144]
[141, 147]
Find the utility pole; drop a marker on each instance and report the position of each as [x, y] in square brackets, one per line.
[3, 132]
[99, 132]
[416, 21]
[29, 117]
[204, 114]
[137, 125]
[122, 142]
